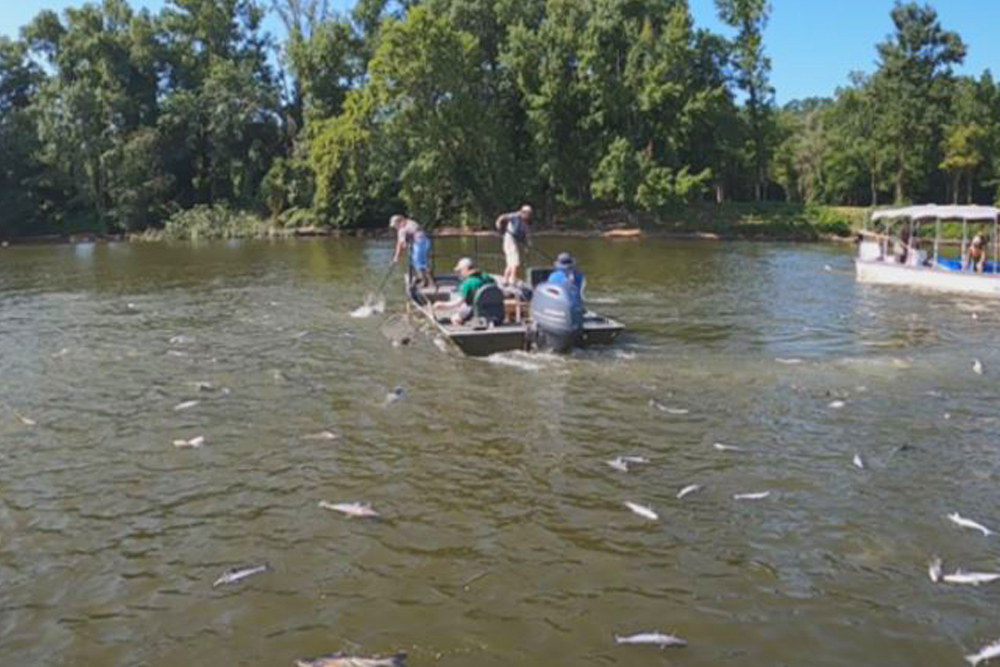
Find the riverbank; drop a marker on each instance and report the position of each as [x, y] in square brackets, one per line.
[765, 221]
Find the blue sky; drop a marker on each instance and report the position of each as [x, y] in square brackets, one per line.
[813, 44]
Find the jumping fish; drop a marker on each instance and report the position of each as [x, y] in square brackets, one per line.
[727, 448]
[977, 367]
[788, 362]
[350, 509]
[973, 578]
[858, 462]
[934, 570]
[238, 574]
[654, 638]
[688, 490]
[342, 660]
[969, 523]
[836, 405]
[193, 443]
[643, 511]
[987, 652]
[201, 385]
[185, 405]
[27, 421]
[760, 495]
[179, 339]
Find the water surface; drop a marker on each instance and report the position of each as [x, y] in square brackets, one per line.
[504, 538]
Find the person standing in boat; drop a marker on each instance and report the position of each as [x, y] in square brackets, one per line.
[566, 275]
[514, 228]
[472, 279]
[410, 234]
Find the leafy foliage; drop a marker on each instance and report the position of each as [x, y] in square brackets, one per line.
[117, 119]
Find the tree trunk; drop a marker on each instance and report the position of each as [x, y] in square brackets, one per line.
[874, 188]
[968, 188]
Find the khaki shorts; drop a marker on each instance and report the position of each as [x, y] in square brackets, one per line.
[511, 251]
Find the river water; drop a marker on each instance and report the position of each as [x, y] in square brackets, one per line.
[504, 539]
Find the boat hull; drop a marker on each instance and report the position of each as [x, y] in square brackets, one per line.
[943, 280]
[510, 337]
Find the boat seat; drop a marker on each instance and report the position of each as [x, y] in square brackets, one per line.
[488, 304]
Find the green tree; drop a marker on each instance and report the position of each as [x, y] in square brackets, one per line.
[750, 18]
[913, 88]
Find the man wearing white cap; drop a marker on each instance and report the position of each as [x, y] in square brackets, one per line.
[472, 280]
[514, 227]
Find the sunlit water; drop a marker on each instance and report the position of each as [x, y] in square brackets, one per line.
[504, 539]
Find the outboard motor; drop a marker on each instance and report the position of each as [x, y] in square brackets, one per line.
[558, 321]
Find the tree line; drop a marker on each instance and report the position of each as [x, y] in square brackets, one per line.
[117, 119]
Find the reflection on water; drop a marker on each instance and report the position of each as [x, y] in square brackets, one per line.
[503, 535]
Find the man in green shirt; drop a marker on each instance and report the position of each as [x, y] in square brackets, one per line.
[472, 280]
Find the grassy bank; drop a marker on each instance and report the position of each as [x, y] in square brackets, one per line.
[765, 221]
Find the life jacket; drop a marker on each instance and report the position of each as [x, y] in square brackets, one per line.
[518, 229]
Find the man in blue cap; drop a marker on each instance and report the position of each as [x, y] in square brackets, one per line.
[565, 274]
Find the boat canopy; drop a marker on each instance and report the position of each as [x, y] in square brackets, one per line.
[935, 212]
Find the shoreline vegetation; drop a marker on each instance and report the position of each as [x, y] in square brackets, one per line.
[766, 221]
[192, 122]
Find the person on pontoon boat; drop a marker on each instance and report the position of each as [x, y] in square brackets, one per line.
[976, 260]
[462, 300]
[410, 234]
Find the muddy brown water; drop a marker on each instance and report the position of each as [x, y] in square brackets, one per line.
[504, 539]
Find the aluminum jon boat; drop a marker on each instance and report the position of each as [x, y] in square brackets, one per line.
[508, 319]
[894, 251]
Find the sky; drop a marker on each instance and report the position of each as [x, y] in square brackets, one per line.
[813, 44]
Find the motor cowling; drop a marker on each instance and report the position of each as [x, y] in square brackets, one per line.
[557, 318]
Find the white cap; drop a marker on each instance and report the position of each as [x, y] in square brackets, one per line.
[465, 264]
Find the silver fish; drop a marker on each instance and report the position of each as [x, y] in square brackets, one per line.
[688, 490]
[622, 462]
[956, 519]
[618, 464]
[973, 578]
[322, 435]
[977, 367]
[643, 511]
[760, 495]
[836, 405]
[858, 462]
[727, 448]
[653, 403]
[987, 652]
[654, 638]
[788, 361]
[341, 660]
[238, 574]
[934, 570]
[350, 509]
[193, 443]
[27, 421]
[396, 394]
[185, 405]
